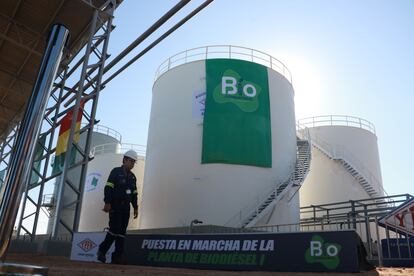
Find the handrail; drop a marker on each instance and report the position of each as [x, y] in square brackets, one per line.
[337, 120]
[223, 51]
[359, 208]
[118, 148]
[292, 178]
[237, 219]
[140, 149]
[106, 130]
[341, 152]
[303, 132]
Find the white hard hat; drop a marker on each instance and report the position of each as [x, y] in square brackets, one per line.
[131, 154]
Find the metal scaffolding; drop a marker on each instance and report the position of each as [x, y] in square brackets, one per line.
[80, 79]
[57, 194]
[6, 148]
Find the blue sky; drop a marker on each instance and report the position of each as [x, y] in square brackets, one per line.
[346, 57]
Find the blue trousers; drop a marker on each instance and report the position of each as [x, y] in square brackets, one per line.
[118, 223]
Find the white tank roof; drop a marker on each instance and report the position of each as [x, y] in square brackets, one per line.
[345, 164]
[107, 131]
[223, 51]
[336, 120]
[118, 148]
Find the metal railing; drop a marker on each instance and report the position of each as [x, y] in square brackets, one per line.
[340, 152]
[107, 131]
[253, 206]
[238, 219]
[223, 51]
[140, 149]
[363, 207]
[337, 120]
[118, 148]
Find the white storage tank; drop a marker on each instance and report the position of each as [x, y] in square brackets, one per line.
[189, 172]
[106, 157]
[101, 135]
[345, 161]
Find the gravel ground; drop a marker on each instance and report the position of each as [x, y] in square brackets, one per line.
[64, 266]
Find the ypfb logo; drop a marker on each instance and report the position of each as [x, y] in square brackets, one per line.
[323, 252]
[234, 89]
[87, 245]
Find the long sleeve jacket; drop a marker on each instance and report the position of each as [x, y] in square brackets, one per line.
[121, 189]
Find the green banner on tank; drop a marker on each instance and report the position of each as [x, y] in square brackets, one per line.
[236, 127]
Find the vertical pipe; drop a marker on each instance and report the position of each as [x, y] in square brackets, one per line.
[407, 239]
[353, 214]
[368, 230]
[22, 158]
[379, 247]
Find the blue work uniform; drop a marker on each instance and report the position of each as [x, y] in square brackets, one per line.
[120, 192]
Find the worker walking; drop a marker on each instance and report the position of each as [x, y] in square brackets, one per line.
[120, 192]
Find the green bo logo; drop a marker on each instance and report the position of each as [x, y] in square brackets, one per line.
[323, 252]
[230, 82]
[234, 89]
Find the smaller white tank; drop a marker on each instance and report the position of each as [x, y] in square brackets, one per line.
[100, 135]
[106, 157]
[345, 160]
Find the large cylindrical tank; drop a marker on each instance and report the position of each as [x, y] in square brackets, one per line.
[106, 157]
[345, 161]
[178, 188]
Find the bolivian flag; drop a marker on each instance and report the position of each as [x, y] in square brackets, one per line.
[62, 143]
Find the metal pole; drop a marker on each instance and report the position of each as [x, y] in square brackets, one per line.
[134, 44]
[22, 158]
[92, 118]
[368, 230]
[153, 44]
[353, 214]
[379, 247]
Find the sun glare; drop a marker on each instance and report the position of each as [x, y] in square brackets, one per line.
[306, 82]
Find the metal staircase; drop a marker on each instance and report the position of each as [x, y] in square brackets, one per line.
[295, 180]
[340, 157]
[360, 178]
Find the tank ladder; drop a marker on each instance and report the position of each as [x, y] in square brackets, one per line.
[340, 156]
[294, 181]
[351, 168]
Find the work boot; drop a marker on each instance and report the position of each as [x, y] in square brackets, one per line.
[101, 256]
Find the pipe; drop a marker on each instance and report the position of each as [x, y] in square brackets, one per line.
[133, 45]
[158, 40]
[147, 33]
[22, 157]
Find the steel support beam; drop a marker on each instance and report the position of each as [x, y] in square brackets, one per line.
[92, 69]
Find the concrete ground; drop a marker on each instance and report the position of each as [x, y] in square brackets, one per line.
[64, 266]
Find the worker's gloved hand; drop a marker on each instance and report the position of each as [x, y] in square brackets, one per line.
[135, 213]
[107, 207]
